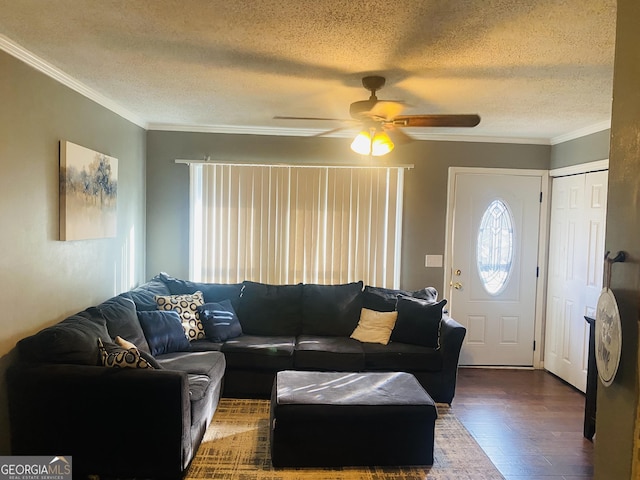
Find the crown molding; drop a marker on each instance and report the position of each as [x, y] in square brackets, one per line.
[480, 138]
[242, 130]
[306, 132]
[582, 132]
[595, 166]
[19, 52]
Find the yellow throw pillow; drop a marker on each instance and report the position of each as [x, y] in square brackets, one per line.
[375, 327]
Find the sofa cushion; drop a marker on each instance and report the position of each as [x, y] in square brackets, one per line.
[385, 299]
[418, 322]
[341, 354]
[401, 357]
[211, 364]
[116, 356]
[331, 310]
[205, 345]
[187, 307]
[430, 294]
[271, 310]
[164, 331]
[74, 340]
[144, 296]
[375, 327]
[122, 321]
[212, 292]
[220, 321]
[260, 352]
[380, 299]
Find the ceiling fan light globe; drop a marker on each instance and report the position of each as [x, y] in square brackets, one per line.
[381, 144]
[362, 143]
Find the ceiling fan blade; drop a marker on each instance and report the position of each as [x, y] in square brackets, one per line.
[396, 135]
[437, 120]
[278, 117]
[328, 132]
[386, 110]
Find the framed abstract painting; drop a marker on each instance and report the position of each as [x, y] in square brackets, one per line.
[88, 193]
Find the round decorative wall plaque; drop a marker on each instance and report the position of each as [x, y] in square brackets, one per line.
[608, 337]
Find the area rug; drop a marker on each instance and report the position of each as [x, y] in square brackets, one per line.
[236, 446]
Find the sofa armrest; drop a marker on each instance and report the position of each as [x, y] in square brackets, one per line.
[112, 421]
[451, 338]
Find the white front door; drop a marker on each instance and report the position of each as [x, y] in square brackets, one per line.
[493, 259]
[576, 257]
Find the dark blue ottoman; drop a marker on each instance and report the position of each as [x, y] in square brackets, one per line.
[333, 419]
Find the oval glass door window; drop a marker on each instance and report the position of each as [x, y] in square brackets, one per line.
[494, 251]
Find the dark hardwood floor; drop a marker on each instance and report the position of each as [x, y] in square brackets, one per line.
[528, 422]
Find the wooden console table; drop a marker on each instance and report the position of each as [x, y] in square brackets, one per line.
[589, 428]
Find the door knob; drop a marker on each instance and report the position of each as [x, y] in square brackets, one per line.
[456, 285]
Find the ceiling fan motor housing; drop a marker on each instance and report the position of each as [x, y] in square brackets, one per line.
[373, 83]
[359, 109]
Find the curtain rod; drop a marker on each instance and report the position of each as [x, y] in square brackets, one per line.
[208, 160]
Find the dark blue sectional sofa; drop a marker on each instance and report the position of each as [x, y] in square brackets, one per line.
[149, 422]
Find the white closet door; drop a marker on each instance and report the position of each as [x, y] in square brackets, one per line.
[576, 254]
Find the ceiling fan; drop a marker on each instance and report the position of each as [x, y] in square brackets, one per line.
[382, 122]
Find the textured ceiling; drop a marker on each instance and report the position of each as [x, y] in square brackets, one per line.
[532, 69]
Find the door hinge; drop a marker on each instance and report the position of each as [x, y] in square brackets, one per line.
[534, 345]
[540, 197]
[537, 272]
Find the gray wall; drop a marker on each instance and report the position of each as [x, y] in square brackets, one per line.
[617, 403]
[43, 279]
[581, 150]
[425, 187]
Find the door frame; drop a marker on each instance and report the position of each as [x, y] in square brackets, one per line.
[543, 239]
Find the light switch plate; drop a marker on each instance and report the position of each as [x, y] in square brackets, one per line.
[433, 261]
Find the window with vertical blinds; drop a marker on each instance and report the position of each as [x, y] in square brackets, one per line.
[290, 224]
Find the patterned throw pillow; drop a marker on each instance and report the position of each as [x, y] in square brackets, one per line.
[113, 355]
[187, 307]
[126, 344]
